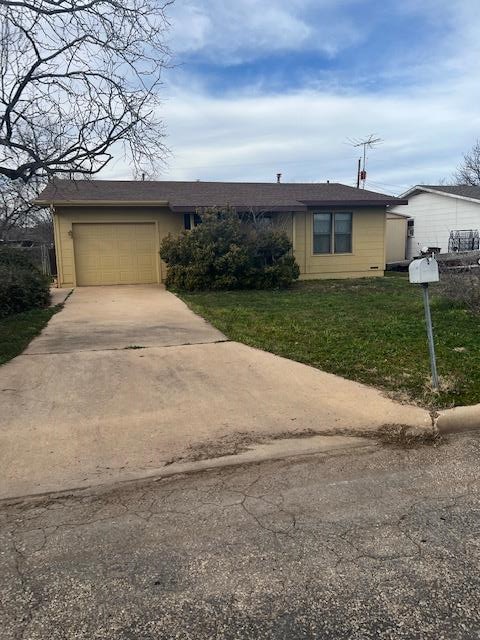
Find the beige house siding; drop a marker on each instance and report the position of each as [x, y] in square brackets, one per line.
[368, 239]
[396, 238]
[65, 218]
[368, 248]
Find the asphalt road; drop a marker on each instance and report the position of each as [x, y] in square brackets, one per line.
[378, 542]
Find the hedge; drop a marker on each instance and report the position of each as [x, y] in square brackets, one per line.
[22, 285]
[226, 252]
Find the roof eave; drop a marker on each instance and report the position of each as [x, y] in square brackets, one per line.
[420, 189]
[355, 203]
[241, 208]
[101, 203]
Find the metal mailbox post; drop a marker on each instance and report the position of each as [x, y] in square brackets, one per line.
[423, 272]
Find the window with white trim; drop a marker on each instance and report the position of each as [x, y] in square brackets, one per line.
[332, 232]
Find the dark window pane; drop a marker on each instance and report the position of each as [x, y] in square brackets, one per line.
[186, 221]
[322, 223]
[343, 233]
[343, 223]
[196, 219]
[343, 244]
[264, 222]
[321, 244]
[322, 233]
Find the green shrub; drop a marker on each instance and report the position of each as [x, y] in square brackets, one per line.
[22, 285]
[224, 252]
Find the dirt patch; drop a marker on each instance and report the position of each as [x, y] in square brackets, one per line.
[235, 443]
[399, 435]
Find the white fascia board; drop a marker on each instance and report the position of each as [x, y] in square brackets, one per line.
[437, 192]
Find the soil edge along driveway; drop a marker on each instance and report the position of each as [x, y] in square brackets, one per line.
[126, 380]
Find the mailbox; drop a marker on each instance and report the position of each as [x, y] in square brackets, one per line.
[423, 271]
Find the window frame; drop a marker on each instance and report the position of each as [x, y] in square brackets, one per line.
[332, 251]
[191, 220]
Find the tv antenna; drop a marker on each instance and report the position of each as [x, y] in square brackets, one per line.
[368, 143]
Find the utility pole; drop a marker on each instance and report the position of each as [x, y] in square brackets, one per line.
[368, 143]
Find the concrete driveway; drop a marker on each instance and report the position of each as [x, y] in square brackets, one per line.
[126, 380]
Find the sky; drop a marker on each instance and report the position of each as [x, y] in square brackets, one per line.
[259, 87]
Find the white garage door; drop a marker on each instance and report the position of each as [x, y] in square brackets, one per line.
[115, 253]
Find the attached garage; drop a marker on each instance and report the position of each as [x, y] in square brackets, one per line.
[111, 245]
[115, 253]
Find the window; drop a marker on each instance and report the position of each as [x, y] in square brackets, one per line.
[322, 233]
[343, 233]
[191, 220]
[332, 232]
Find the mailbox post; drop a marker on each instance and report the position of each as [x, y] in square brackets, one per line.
[423, 272]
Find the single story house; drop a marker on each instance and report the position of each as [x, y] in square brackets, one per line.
[109, 232]
[441, 216]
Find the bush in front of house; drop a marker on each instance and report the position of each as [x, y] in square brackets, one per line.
[22, 285]
[225, 252]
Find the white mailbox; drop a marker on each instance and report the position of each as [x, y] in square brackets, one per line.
[423, 271]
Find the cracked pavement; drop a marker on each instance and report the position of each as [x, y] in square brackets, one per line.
[379, 542]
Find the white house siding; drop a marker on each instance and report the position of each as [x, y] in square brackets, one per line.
[435, 216]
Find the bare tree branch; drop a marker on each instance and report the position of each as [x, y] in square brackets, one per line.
[78, 80]
[16, 208]
[469, 171]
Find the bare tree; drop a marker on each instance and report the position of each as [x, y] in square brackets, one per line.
[78, 79]
[17, 209]
[469, 171]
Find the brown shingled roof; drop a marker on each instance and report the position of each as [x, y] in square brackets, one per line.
[188, 196]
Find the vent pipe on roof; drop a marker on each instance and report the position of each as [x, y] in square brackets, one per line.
[279, 178]
[143, 177]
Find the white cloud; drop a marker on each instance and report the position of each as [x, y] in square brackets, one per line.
[427, 121]
[303, 134]
[235, 32]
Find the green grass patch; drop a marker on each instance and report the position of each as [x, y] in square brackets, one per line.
[369, 330]
[18, 330]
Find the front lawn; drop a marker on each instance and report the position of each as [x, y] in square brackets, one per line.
[17, 330]
[368, 330]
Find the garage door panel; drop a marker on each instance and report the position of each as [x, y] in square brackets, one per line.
[115, 253]
[106, 262]
[144, 261]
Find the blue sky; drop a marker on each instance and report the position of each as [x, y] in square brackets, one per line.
[260, 87]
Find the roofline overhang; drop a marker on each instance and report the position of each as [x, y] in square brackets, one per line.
[101, 203]
[302, 206]
[419, 188]
[240, 208]
[355, 203]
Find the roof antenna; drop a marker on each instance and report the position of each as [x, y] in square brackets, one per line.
[367, 143]
[279, 178]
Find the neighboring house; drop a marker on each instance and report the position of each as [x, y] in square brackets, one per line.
[445, 217]
[109, 232]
